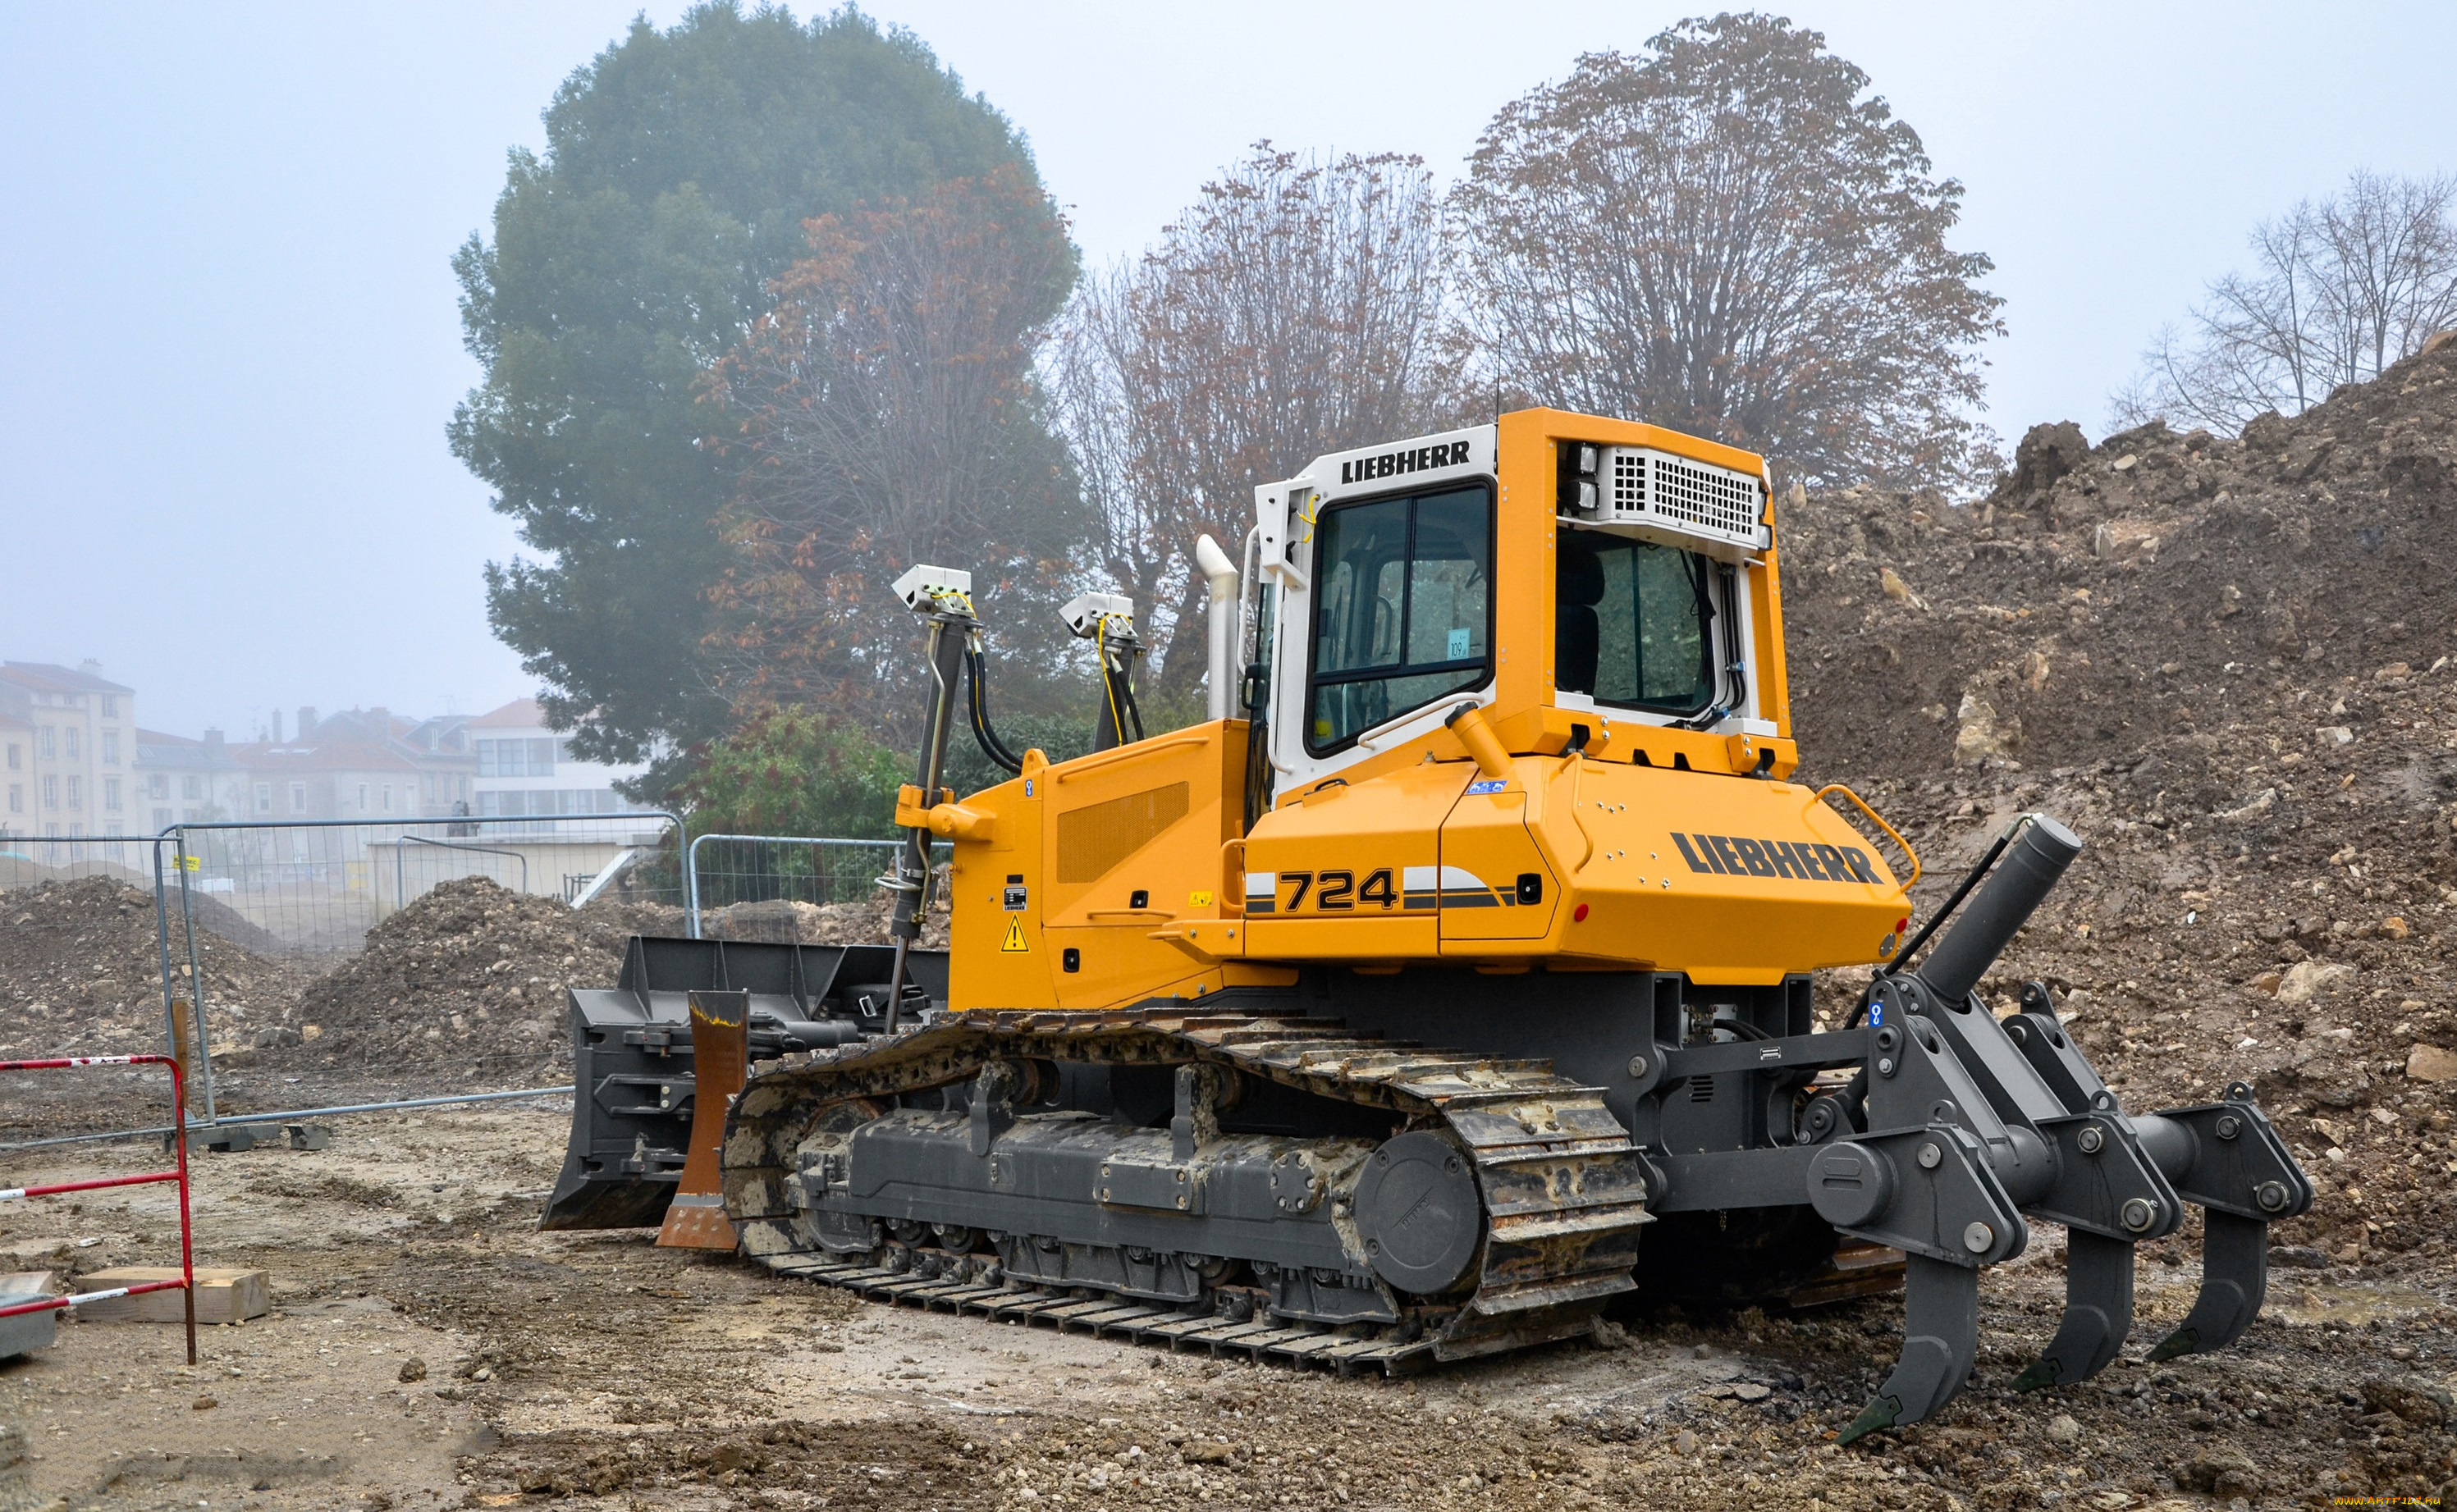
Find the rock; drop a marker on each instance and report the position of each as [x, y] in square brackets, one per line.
[2334, 735]
[2298, 1258]
[2394, 927]
[204, 1404]
[2432, 1063]
[2045, 454]
[2304, 978]
[2221, 1470]
[413, 1369]
[1983, 732]
[1206, 1454]
[2125, 464]
[2267, 431]
[16, 1468]
[2103, 541]
[2262, 803]
[2062, 1429]
[2419, 1402]
[1751, 1390]
[2437, 340]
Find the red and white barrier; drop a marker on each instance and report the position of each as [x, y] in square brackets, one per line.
[187, 1281]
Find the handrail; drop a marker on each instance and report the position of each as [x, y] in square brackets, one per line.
[447, 844]
[1878, 820]
[1085, 765]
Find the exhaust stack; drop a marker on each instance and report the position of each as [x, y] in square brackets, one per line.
[1221, 574]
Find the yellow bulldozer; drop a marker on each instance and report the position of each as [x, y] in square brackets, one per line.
[1449, 985]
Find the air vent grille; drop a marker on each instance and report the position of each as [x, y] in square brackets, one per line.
[1693, 504]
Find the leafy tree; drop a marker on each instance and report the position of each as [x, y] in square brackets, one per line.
[887, 413]
[795, 771]
[679, 170]
[1726, 235]
[1296, 308]
[2344, 288]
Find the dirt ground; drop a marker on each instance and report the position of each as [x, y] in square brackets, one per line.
[595, 1370]
[2230, 664]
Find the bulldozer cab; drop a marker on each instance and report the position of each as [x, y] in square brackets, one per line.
[1589, 584]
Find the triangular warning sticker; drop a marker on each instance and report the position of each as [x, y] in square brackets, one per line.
[1015, 933]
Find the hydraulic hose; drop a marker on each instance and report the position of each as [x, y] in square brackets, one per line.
[975, 677]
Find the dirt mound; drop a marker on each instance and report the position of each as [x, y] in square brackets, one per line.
[80, 973]
[2228, 666]
[464, 986]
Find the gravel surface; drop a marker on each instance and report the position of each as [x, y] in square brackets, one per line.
[594, 1370]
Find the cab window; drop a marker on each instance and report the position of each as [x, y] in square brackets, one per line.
[1403, 609]
[1634, 623]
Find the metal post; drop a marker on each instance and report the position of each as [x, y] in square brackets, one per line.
[162, 945]
[196, 985]
[187, 1237]
[691, 887]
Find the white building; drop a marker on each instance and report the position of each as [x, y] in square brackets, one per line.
[68, 752]
[525, 771]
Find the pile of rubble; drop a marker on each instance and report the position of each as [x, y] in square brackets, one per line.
[2228, 666]
[464, 986]
[81, 972]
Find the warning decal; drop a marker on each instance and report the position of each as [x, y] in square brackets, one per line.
[1014, 934]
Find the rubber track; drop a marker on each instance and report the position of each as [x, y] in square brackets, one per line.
[1564, 1189]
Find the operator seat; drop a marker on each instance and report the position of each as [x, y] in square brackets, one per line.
[1576, 637]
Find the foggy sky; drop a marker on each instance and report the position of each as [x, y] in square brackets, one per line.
[231, 343]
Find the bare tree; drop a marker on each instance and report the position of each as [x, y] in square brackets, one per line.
[2343, 289]
[887, 412]
[1297, 307]
[1722, 235]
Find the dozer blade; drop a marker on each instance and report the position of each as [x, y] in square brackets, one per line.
[2098, 1313]
[1940, 1344]
[2234, 1278]
[635, 1073]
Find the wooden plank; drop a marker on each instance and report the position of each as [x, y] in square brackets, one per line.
[222, 1295]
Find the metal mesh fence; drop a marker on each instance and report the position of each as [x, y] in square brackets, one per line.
[260, 933]
[791, 889]
[316, 889]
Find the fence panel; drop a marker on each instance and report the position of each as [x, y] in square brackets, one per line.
[746, 886]
[312, 890]
[316, 887]
[53, 947]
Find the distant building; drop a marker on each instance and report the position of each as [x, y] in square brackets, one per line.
[525, 771]
[365, 765]
[183, 781]
[68, 752]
